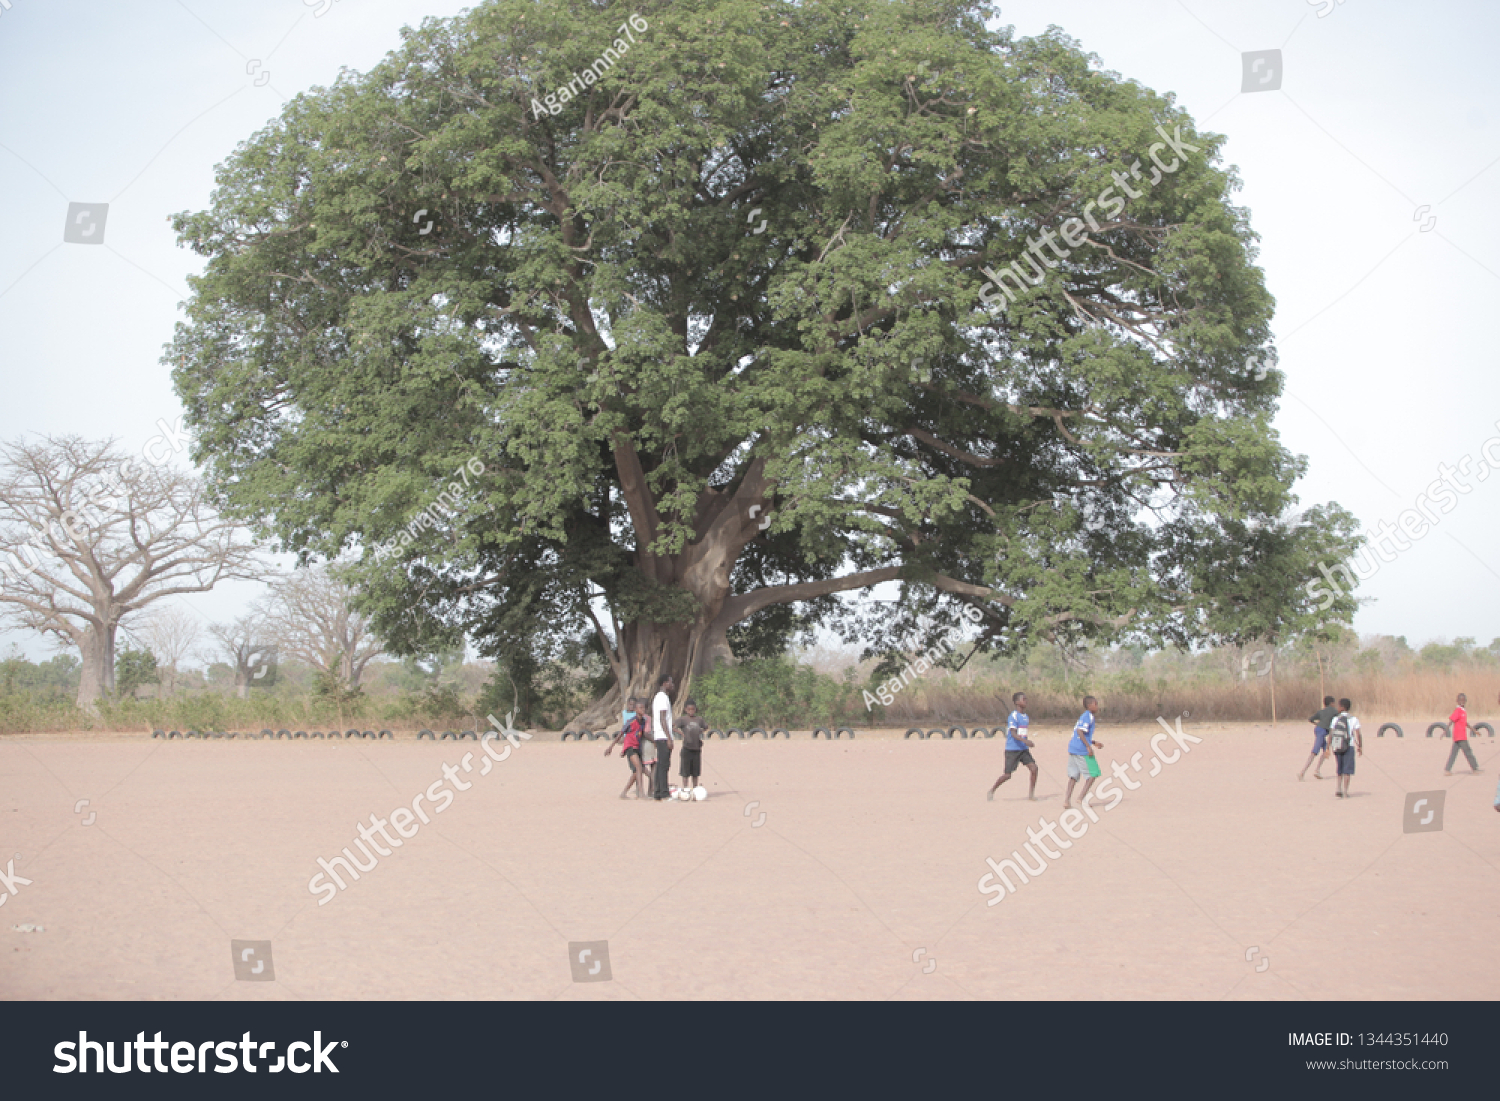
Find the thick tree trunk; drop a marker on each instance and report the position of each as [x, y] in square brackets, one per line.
[651, 651]
[726, 521]
[97, 677]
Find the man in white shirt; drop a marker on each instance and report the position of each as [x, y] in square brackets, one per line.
[661, 732]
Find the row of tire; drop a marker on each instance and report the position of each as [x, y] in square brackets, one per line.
[1444, 728]
[732, 732]
[169, 734]
[953, 732]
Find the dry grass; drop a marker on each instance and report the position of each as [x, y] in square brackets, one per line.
[1413, 697]
[1215, 687]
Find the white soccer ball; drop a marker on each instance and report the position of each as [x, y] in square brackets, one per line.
[700, 793]
[681, 793]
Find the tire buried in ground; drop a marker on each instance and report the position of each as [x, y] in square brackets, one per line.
[1389, 726]
[1438, 726]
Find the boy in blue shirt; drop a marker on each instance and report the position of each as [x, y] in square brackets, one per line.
[1080, 749]
[1018, 746]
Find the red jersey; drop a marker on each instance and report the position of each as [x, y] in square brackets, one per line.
[633, 734]
[1460, 721]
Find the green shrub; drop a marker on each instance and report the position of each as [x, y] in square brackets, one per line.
[773, 692]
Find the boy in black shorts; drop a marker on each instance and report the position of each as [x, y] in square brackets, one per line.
[692, 728]
[1346, 741]
[1321, 722]
[631, 735]
[1018, 746]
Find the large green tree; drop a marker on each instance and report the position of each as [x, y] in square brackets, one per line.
[699, 317]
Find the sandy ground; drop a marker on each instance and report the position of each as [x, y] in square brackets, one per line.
[860, 881]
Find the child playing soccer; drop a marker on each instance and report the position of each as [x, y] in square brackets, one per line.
[1320, 723]
[692, 728]
[1460, 721]
[1345, 740]
[1080, 749]
[631, 736]
[1018, 746]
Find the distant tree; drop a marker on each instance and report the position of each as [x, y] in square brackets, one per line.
[171, 632]
[311, 617]
[89, 538]
[134, 668]
[58, 675]
[1262, 580]
[219, 674]
[244, 642]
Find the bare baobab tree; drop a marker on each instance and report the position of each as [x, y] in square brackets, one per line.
[243, 642]
[170, 632]
[310, 616]
[89, 537]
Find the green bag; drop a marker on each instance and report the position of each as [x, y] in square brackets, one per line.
[1094, 767]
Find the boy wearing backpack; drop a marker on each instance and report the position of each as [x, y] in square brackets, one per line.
[1346, 741]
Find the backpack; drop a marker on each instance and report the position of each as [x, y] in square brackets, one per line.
[1338, 734]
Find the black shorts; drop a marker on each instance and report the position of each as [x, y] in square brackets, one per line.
[692, 762]
[1345, 762]
[1014, 757]
[636, 753]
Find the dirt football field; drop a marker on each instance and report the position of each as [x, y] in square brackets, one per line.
[813, 870]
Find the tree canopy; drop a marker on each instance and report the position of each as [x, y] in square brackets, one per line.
[737, 306]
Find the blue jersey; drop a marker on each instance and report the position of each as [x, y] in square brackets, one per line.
[1083, 735]
[1015, 730]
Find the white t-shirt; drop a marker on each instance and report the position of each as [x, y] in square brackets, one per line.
[661, 731]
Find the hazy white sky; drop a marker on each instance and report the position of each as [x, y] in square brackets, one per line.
[1366, 174]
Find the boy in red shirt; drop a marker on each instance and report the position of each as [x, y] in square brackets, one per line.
[635, 728]
[1460, 721]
